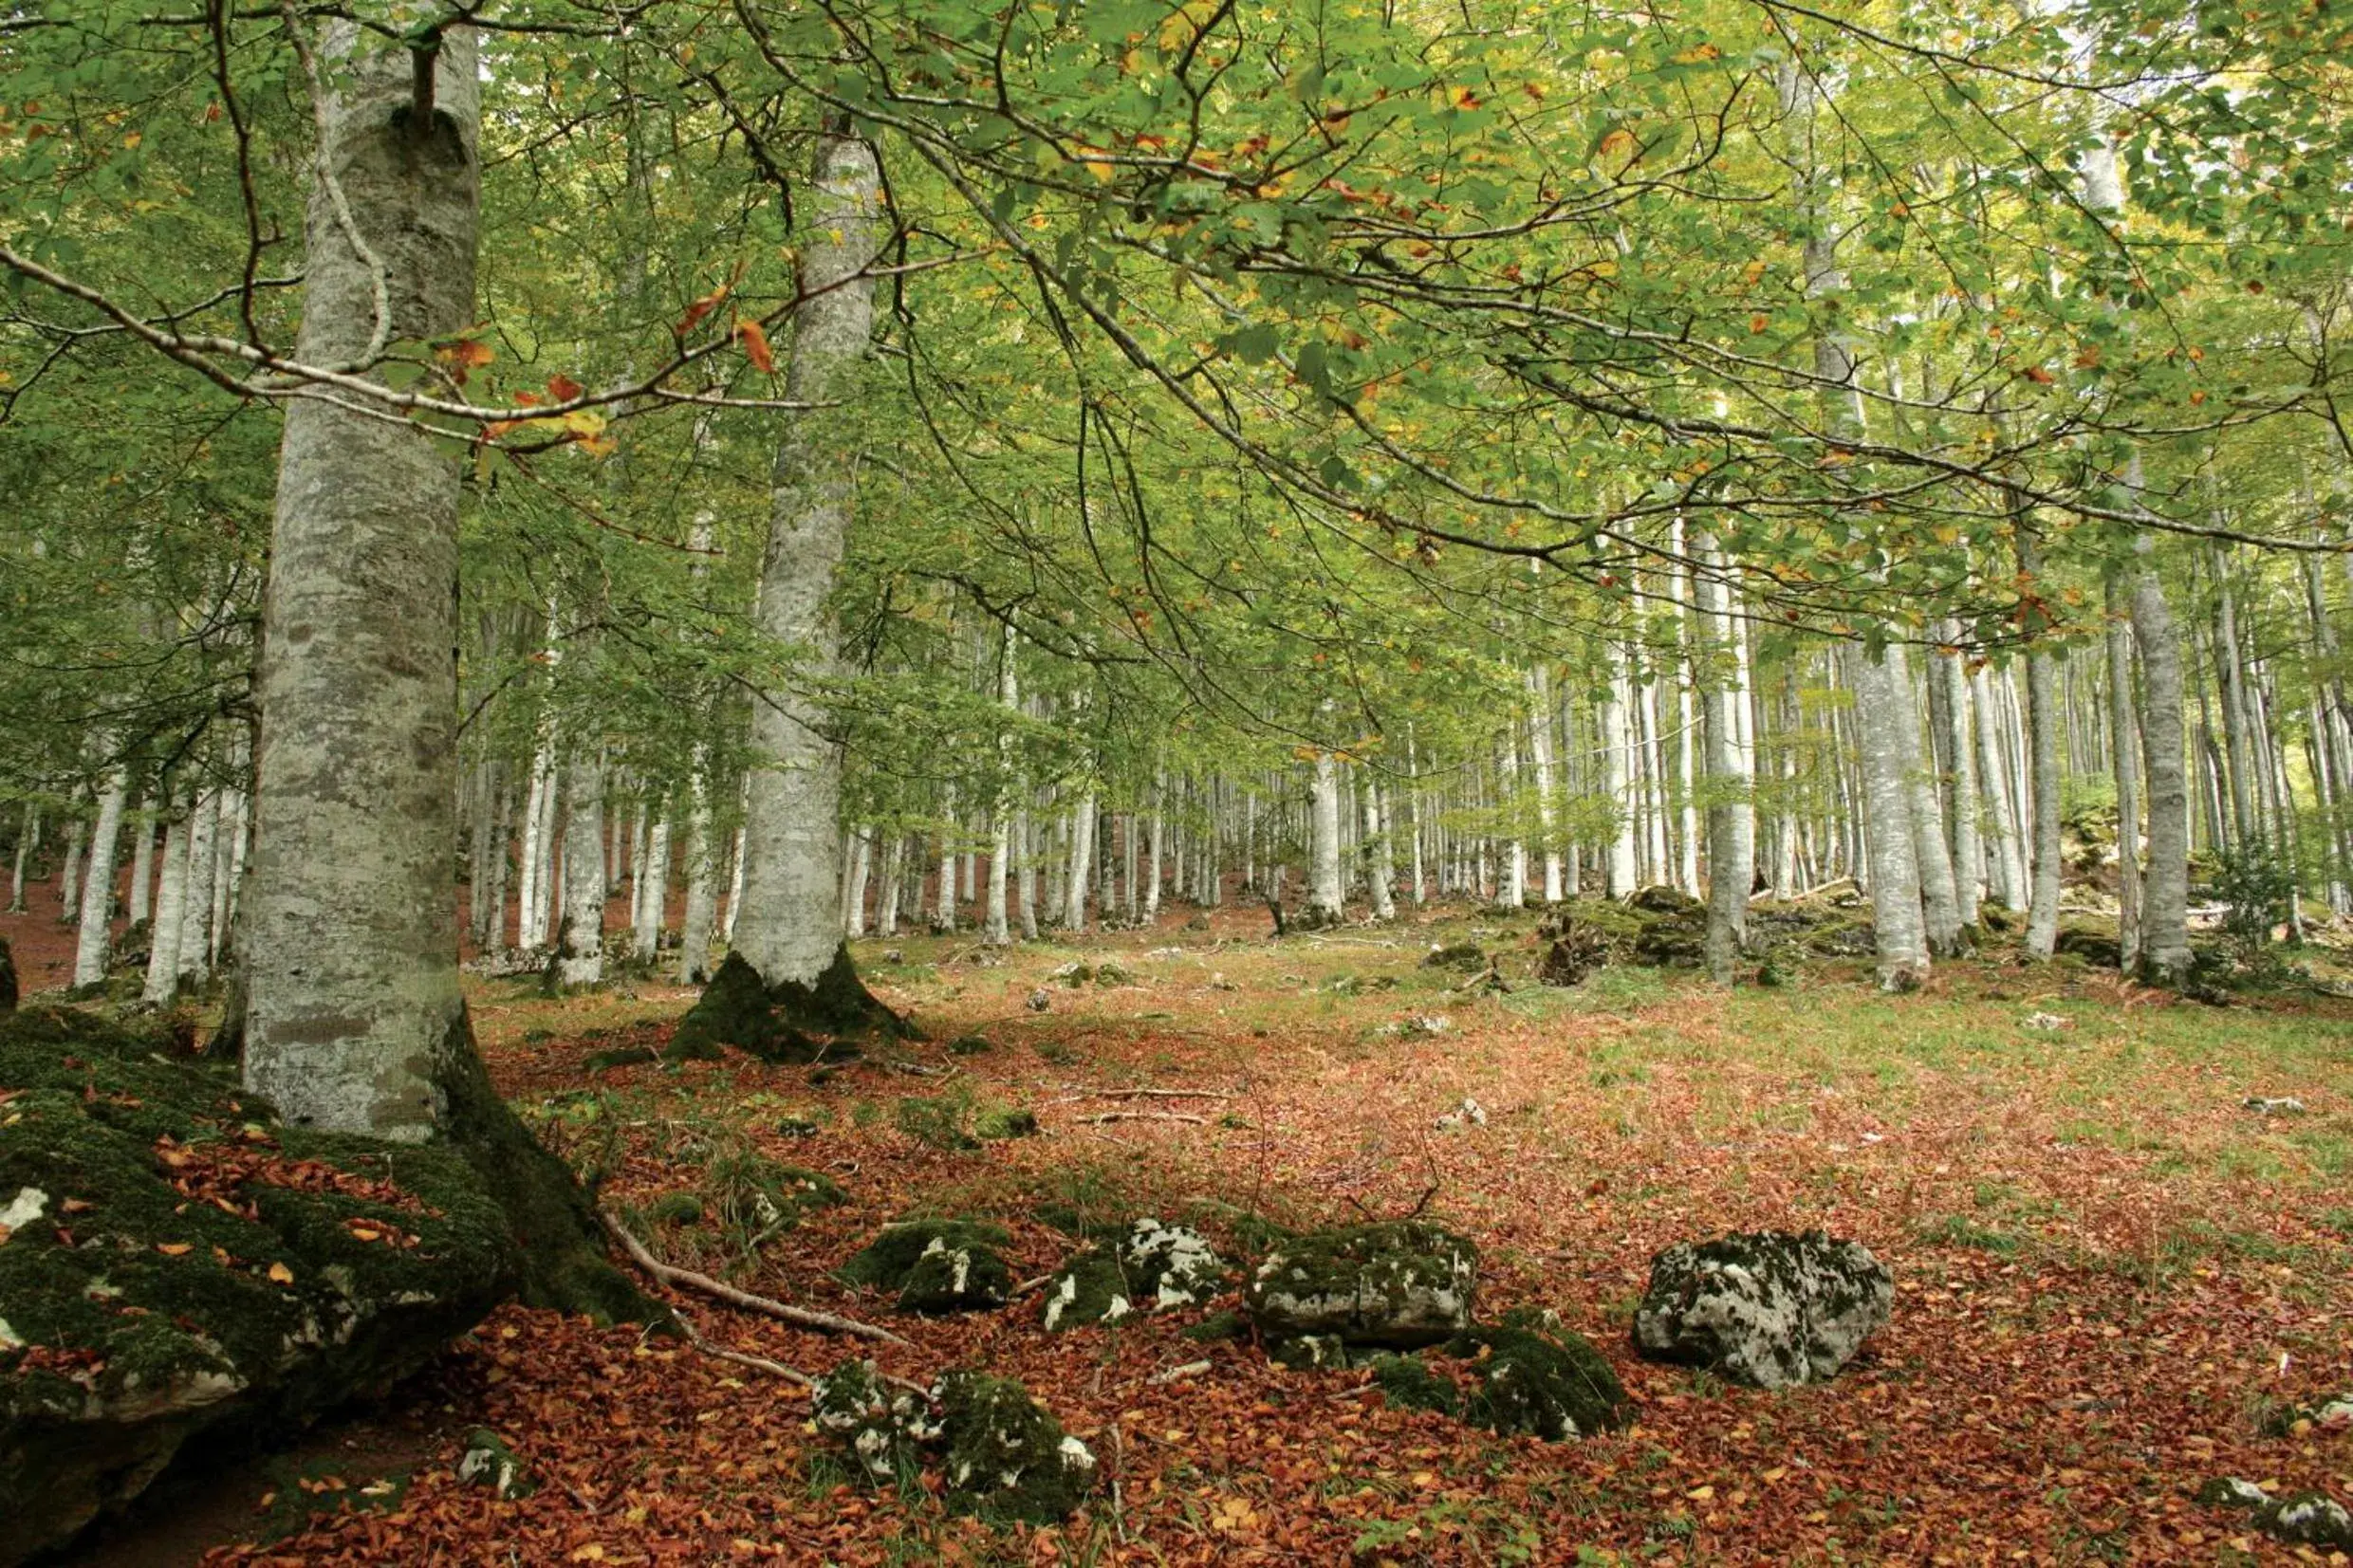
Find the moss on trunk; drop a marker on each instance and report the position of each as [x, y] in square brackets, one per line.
[564, 1261]
[787, 1022]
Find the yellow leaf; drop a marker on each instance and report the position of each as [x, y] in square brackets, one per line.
[281, 1274]
[174, 1249]
[1700, 1494]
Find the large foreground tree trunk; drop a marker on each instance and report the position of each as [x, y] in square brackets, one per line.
[354, 1017]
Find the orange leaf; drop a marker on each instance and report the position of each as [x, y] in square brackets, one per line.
[281, 1274]
[174, 1249]
[754, 339]
[695, 312]
[2036, 374]
[564, 389]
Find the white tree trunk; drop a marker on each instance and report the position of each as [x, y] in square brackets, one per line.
[582, 961]
[1325, 897]
[162, 982]
[1624, 873]
[195, 920]
[996, 928]
[142, 862]
[1896, 917]
[97, 882]
[790, 927]
[702, 878]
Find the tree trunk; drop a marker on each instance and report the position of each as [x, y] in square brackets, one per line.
[581, 952]
[162, 982]
[788, 922]
[1896, 914]
[2165, 891]
[1324, 898]
[354, 1021]
[995, 927]
[92, 940]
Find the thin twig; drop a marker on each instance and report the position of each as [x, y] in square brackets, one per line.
[1109, 1117]
[719, 1353]
[1084, 1092]
[824, 1323]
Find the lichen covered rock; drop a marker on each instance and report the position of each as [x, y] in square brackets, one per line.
[177, 1264]
[490, 1463]
[1767, 1310]
[935, 1265]
[1552, 1385]
[1007, 1457]
[2309, 1519]
[1004, 1455]
[1399, 1284]
[881, 1429]
[1146, 1267]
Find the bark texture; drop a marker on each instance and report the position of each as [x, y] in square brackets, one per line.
[788, 923]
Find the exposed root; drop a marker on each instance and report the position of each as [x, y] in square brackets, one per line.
[1140, 1116]
[822, 1322]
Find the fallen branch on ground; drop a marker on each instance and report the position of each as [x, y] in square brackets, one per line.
[824, 1323]
[1191, 1369]
[1140, 1116]
[1081, 1090]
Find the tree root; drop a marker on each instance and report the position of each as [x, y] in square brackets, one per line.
[822, 1322]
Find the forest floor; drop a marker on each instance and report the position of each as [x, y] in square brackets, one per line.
[2109, 1270]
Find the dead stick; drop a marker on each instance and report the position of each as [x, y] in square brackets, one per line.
[1083, 1092]
[824, 1323]
[1140, 1116]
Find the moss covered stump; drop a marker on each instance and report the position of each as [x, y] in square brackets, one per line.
[787, 1023]
[176, 1265]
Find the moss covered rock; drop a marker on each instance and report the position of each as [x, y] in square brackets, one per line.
[1007, 1457]
[994, 1123]
[935, 1265]
[1399, 1284]
[490, 1463]
[178, 1264]
[883, 1430]
[1552, 1385]
[1143, 1266]
[1407, 1382]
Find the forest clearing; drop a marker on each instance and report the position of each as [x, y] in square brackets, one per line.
[1176, 782]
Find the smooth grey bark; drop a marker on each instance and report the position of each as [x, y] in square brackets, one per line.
[195, 921]
[2165, 890]
[70, 874]
[91, 940]
[352, 956]
[1542, 746]
[1082, 864]
[580, 960]
[1325, 897]
[162, 979]
[2042, 722]
[702, 878]
[1514, 894]
[1889, 844]
[2124, 722]
[142, 901]
[27, 834]
[651, 893]
[996, 928]
[1940, 906]
[788, 923]
[2005, 866]
[1379, 873]
[1969, 872]
[1616, 752]
[2238, 728]
[1732, 814]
